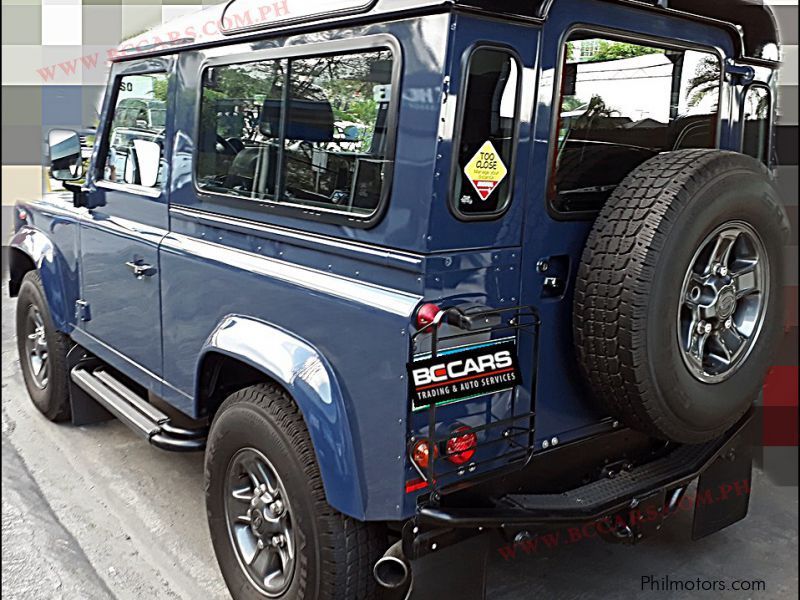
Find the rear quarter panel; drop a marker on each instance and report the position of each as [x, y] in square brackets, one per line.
[348, 293]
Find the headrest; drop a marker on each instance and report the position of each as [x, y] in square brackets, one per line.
[308, 120]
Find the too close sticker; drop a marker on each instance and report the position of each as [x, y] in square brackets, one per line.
[485, 170]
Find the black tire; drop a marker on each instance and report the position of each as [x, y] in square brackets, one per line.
[334, 553]
[51, 398]
[629, 291]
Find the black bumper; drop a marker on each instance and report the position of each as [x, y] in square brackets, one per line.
[604, 496]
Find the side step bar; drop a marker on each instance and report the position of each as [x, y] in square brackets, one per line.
[138, 414]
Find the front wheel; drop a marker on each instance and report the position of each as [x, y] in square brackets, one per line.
[273, 533]
[42, 351]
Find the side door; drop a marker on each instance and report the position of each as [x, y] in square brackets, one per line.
[119, 313]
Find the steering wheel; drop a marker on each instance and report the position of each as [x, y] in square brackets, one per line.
[227, 147]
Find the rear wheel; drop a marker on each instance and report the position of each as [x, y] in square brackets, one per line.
[678, 298]
[42, 351]
[274, 534]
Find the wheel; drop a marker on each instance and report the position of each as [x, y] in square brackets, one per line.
[42, 351]
[678, 297]
[273, 533]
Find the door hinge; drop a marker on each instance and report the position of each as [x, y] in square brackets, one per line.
[739, 74]
[82, 311]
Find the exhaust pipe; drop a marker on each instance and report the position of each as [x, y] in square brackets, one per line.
[393, 571]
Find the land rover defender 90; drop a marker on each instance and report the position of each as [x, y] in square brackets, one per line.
[411, 270]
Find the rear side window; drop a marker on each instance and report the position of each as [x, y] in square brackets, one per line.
[307, 132]
[621, 103]
[756, 122]
[486, 135]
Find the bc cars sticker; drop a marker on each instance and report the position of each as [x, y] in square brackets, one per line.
[485, 170]
[463, 373]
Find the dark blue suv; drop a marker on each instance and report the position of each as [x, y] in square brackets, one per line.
[412, 269]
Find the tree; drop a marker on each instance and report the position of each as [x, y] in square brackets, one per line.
[705, 80]
[617, 50]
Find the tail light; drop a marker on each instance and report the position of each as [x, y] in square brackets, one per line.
[426, 314]
[420, 453]
[460, 448]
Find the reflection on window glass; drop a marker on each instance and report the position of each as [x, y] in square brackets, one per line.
[486, 140]
[755, 140]
[622, 103]
[323, 143]
[135, 152]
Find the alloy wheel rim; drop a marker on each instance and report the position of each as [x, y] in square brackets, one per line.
[36, 351]
[259, 519]
[722, 302]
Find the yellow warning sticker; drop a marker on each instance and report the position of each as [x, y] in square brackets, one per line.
[485, 170]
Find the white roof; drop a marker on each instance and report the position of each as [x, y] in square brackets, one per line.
[201, 25]
[233, 16]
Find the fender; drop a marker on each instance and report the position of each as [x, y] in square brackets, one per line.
[309, 379]
[53, 270]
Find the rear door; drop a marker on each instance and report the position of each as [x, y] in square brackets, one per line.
[617, 87]
[119, 312]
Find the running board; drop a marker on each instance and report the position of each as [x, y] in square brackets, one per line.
[133, 410]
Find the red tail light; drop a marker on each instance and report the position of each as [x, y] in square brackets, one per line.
[426, 314]
[420, 453]
[460, 448]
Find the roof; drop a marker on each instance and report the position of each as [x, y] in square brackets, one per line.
[750, 23]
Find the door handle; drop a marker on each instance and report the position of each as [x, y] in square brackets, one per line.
[139, 269]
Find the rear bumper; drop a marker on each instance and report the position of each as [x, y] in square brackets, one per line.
[672, 470]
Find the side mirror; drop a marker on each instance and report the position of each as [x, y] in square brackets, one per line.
[66, 162]
[142, 163]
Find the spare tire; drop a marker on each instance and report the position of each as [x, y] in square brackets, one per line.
[678, 299]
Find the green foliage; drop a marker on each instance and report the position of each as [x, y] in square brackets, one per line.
[705, 80]
[570, 103]
[160, 88]
[617, 50]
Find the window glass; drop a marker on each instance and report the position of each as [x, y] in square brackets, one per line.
[322, 144]
[239, 129]
[622, 103]
[135, 140]
[482, 179]
[755, 140]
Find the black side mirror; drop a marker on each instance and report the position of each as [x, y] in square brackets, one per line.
[66, 162]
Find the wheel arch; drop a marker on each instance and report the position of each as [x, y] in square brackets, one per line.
[242, 351]
[31, 249]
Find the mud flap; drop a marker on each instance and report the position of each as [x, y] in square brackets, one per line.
[85, 409]
[723, 490]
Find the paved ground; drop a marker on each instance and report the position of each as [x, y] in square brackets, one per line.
[94, 513]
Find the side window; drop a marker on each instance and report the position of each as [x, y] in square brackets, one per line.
[486, 134]
[135, 139]
[310, 132]
[621, 103]
[756, 122]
